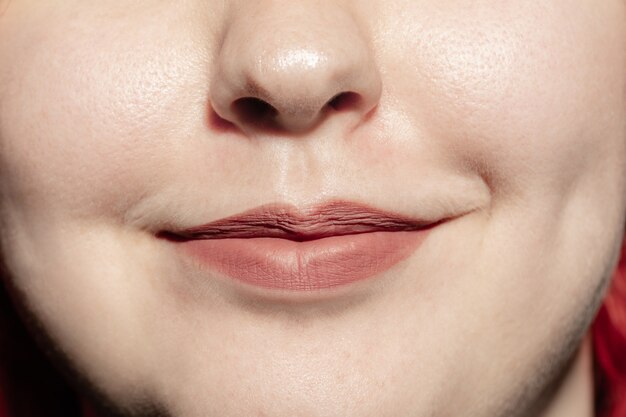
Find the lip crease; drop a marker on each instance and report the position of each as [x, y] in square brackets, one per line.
[278, 246]
[287, 222]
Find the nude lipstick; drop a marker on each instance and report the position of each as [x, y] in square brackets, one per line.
[282, 247]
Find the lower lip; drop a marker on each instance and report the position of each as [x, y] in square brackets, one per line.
[305, 266]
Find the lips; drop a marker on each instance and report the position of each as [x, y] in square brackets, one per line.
[280, 247]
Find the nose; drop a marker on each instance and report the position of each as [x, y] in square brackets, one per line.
[290, 65]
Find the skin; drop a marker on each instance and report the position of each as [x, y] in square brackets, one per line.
[117, 120]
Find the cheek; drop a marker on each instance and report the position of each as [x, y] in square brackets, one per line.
[534, 96]
[93, 108]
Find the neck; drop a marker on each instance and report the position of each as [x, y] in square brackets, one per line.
[575, 395]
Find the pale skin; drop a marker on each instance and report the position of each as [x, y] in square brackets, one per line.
[117, 118]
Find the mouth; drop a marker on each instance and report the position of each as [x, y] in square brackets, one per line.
[281, 247]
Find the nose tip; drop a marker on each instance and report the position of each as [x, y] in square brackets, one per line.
[295, 73]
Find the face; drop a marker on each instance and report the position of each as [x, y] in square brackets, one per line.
[501, 121]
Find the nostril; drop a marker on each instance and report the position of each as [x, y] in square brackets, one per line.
[345, 100]
[254, 110]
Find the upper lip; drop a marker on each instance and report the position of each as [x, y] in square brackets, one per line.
[288, 222]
